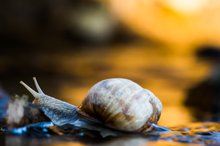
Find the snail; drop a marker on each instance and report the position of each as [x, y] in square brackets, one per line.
[115, 104]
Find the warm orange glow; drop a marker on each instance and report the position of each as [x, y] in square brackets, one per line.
[175, 116]
[185, 6]
[176, 22]
[68, 144]
[169, 143]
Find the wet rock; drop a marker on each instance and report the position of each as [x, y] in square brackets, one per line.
[20, 112]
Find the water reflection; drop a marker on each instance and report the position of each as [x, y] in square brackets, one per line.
[130, 142]
[191, 134]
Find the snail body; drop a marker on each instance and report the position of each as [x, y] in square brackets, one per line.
[115, 103]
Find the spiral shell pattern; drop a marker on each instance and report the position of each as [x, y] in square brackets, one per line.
[122, 104]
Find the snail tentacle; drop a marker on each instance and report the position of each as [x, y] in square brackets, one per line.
[38, 94]
[33, 92]
[37, 86]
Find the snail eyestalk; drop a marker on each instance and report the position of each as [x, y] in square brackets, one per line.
[37, 86]
[34, 93]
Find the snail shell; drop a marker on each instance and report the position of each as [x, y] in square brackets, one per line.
[122, 104]
[115, 103]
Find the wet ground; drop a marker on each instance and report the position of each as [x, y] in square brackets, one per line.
[68, 74]
[45, 134]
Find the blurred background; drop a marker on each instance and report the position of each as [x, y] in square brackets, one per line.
[171, 47]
